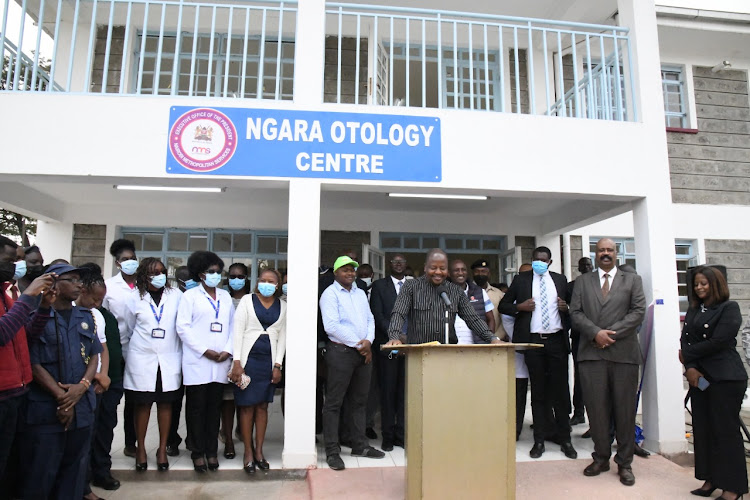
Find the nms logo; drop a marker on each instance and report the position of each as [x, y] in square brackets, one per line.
[201, 150]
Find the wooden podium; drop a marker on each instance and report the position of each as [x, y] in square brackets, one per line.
[460, 420]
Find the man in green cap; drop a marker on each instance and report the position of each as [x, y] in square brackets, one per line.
[350, 327]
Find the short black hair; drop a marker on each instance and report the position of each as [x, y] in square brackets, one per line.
[91, 275]
[32, 249]
[119, 246]
[365, 267]
[7, 242]
[201, 260]
[539, 250]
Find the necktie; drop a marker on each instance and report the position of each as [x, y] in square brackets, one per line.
[403, 327]
[605, 286]
[399, 286]
[543, 300]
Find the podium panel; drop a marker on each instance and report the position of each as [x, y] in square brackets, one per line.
[460, 421]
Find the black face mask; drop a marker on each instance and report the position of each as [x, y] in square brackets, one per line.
[7, 270]
[33, 272]
[481, 280]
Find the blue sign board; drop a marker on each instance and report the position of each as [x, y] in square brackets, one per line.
[321, 145]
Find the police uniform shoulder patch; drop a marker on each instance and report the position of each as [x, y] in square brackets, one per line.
[84, 325]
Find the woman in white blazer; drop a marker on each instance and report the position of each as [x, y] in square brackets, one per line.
[153, 370]
[259, 347]
[204, 323]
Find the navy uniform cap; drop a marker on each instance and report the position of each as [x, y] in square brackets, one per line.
[63, 268]
[480, 263]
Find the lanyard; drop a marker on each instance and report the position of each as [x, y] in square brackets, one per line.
[161, 312]
[215, 307]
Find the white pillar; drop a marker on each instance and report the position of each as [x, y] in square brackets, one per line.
[302, 318]
[109, 269]
[552, 241]
[55, 240]
[663, 413]
[304, 255]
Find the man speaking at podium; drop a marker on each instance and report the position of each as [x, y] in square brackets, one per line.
[424, 301]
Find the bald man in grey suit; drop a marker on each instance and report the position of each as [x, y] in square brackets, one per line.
[607, 307]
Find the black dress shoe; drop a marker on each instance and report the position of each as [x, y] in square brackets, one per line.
[703, 493]
[370, 433]
[262, 464]
[201, 468]
[172, 450]
[569, 451]
[398, 442]
[213, 463]
[595, 469]
[626, 475]
[229, 451]
[140, 467]
[587, 434]
[107, 483]
[250, 468]
[641, 452]
[387, 445]
[537, 450]
[577, 419]
[162, 466]
[335, 462]
[129, 451]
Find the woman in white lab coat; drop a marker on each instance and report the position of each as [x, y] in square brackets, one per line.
[204, 323]
[153, 370]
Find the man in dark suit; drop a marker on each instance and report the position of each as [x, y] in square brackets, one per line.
[537, 300]
[606, 308]
[391, 367]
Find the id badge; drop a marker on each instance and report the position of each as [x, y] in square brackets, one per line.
[216, 327]
[157, 333]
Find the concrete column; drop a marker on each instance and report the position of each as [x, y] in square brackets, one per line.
[302, 316]
[663, 414]
[55, 240]
[109, 269]
[567, 269]
[309, 52]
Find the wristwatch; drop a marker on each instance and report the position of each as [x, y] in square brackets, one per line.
[280, 368]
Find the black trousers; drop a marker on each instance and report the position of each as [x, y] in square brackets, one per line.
[104, 431]
[719, 450]
[348, 377]
[55, 463]
[548, 374]
[610, 389]
[522, 385]
[373, 398]
[578, 406]
[174, 439]
[202, 418]
[9, 409]
[392, 374]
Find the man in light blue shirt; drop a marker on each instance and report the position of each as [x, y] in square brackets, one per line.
[350, 327]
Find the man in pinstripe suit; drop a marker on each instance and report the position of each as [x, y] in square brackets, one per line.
[420, 302]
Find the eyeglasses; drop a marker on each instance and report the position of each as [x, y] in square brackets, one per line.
[75, 281]
[238, 277]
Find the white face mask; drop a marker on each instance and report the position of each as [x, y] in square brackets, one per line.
[368, 281]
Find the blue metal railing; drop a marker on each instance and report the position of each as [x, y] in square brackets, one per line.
[23, 73]
[164, 47]
[445, 59]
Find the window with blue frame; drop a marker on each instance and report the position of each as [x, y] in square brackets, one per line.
[675, 101]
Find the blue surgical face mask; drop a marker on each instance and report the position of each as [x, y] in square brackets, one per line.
[20, 270]
[191, 283]
[237, 283]
[283, 288]
[129, 267]
[266, 289]
[539, 267]
[159, 281]
[212, 279]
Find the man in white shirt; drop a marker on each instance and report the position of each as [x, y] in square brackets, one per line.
[478, 299]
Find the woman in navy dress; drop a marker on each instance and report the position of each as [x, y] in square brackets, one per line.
[259, 346]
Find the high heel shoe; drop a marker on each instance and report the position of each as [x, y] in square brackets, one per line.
[199, 467]
[213, 465]
[229, 451]
[162, 466]
[703, 493]
[140, 467]
[262, 464]
[250, 467]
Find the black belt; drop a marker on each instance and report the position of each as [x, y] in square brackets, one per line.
[545, 336]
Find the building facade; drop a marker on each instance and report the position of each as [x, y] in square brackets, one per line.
[548, 115]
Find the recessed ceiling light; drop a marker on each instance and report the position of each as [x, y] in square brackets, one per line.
[170, 188]
[439, 196]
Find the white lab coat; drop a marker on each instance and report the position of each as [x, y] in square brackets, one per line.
[148, 354]
[197, 312]
[99, 321]
[118, 302]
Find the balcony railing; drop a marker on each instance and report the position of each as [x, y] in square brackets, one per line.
[20, 72]
[167, 47]
[440, 59]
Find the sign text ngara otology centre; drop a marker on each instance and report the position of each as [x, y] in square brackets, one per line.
[278, 143]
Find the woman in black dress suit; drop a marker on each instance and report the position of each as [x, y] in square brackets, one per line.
[717, 381]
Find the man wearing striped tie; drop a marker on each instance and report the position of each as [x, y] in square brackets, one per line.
[537, 300]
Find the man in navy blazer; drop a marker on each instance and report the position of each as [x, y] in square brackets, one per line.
[537, 300]
[391, 367]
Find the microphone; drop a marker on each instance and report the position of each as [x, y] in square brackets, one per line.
[443, 291]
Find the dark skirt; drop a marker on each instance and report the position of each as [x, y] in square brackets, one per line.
[158, 396]
[259, 368]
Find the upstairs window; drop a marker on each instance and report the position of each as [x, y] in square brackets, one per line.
[675, 102]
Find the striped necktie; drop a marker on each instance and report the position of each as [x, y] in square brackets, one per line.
[543, 297]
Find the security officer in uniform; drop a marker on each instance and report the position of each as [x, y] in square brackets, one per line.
[60, 408]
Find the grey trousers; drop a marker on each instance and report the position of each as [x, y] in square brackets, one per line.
[609, 389]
